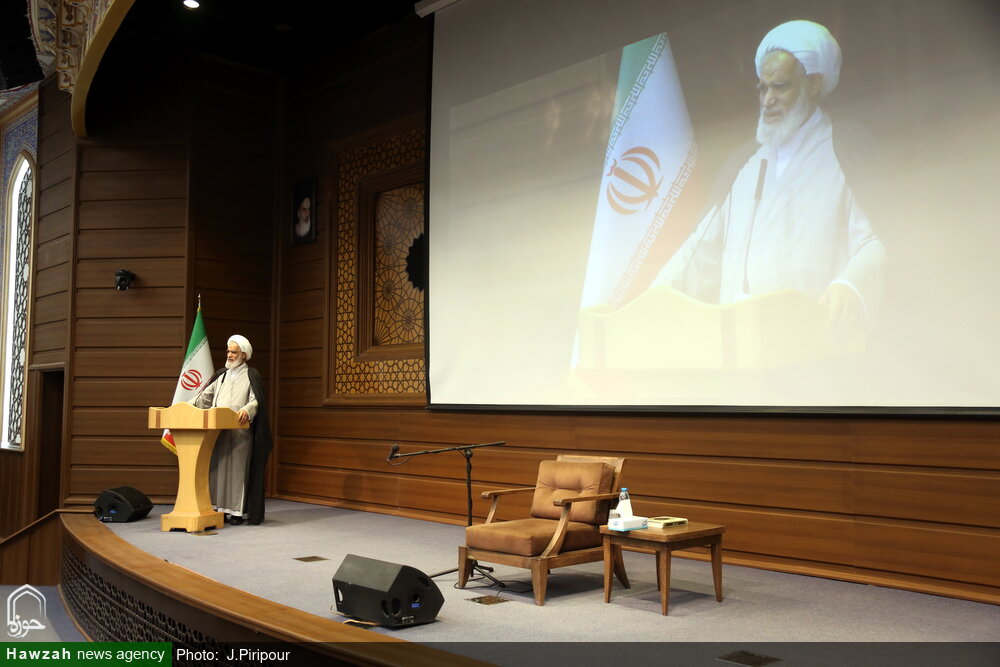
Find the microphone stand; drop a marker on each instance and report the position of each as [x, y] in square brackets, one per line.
[466, 451]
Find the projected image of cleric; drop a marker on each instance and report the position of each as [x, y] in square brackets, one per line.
[789, 219]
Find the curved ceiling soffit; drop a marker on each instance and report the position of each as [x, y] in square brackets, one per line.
[71, 37]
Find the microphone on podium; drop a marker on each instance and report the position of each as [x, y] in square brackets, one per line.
[393, 452]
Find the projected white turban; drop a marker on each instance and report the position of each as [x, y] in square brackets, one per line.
[243, 343]
[811, 44]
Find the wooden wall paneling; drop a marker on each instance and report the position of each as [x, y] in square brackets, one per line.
[48, 337]
[50, 308]
[170, 158]
[57, 197]
[13, 468]
[116, 362]
[130, 243]
[15, 563]
[105, 451]
[53, 253]
[944, 496]
[57, 170]
[54, 225]
[154, 481]
[138, 392]
[118, 214]
[151, 272]
[300, 393]
[489, 466]
[821, 539]
[136, 302]
[302, 274]
[372, 423]
[55, 138]
[301, 363]
[44, 543]
[51, 280]
[147, 332]
[946, 443]
[325, 484]
[302, 334]
[302, 305]
[117, 185]
[807, 439]
[220, 271]
[936, 551]
[99, 422]
[820, 488]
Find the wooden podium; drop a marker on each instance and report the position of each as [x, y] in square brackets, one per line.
[195, 432]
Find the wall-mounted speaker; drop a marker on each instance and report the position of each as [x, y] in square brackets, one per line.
[121, 504]
[385, 593]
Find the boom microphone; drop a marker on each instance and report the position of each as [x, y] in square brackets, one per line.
[393, 452]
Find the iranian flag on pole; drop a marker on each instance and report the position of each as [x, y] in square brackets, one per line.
[641, 217]
[195, 372]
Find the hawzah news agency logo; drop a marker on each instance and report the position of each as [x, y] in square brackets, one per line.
[25, 607]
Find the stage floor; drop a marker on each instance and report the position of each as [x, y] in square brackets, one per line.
[291, 558]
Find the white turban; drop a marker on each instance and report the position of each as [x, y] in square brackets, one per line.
[243, 343]
[811, 44]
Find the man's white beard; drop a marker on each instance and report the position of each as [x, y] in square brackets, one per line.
[775, 134]
[233, 364]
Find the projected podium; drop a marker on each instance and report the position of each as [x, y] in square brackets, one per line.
[667, 330]
[195, 432]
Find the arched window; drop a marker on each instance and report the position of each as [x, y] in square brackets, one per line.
[16, 244]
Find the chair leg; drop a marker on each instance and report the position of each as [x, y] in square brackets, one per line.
[539, 580]
[620, 567]
[464, 566]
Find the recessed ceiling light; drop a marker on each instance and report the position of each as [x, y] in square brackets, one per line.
[192, 4]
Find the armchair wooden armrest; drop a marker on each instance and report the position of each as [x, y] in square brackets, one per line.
[486, 495]
[567, 504]
[578, 499]
[496, 495]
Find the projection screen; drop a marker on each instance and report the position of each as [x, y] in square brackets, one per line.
[670, 204]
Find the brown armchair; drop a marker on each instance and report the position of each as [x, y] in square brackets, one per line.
[571, 500]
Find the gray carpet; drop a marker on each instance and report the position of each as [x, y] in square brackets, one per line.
[763, 612]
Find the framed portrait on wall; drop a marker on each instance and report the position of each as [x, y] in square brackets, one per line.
[303, 212]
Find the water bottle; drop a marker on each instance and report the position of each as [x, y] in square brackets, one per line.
[624, 508]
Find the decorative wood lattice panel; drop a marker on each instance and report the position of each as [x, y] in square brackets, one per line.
[378, 335]
[399, 305]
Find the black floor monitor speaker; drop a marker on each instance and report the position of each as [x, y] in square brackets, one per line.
[385, 593]
[121, 504]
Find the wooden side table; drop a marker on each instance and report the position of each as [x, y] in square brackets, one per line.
[663, 541]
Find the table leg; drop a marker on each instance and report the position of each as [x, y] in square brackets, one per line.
[663, 576]
[717, 567]
[608, 566]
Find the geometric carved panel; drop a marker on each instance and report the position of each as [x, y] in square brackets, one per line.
[398, 316]
[377, 333]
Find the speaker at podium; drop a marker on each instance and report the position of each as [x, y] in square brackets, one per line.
[121, 505]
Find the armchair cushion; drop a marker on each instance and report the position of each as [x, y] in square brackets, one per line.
[529, 537]
[565, 479]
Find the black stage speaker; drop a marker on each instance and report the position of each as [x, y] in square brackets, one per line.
[121, 504]
[385, 593]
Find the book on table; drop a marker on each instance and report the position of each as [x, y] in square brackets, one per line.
[663, 521]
